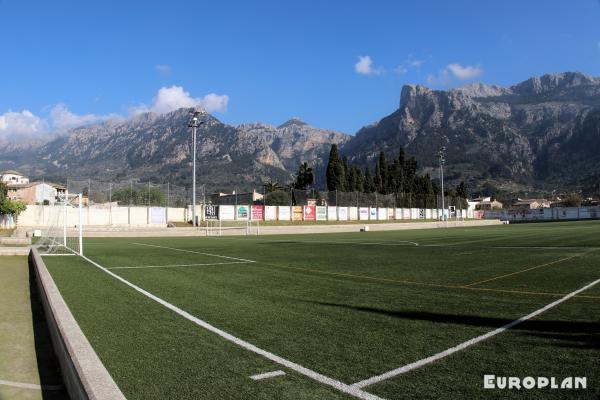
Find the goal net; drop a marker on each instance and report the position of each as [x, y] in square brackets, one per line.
[63, 234]
[219, 228]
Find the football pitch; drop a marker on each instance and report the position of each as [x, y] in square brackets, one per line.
[419, 314]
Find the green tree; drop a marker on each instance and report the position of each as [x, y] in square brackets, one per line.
[272, 186]
[381, 173]
[12, 207]
[355, 180]
[369, 183]
[461, 190]
[277, 198]
[335, 171]
[3, 190]
[304, 177]
[573, 200]
[146, 196]
[346, 182]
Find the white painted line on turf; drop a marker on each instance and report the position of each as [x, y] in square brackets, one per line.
[266, 375]
[192, 251]
[464, 345]
[32, 386]
[341, 386]
[181, 265]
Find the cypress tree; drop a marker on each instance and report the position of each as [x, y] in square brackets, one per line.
[335, 170]
[346, 180]
[381, 173]
[369, 183]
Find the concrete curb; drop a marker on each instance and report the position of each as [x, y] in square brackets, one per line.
[300, 228]
[14, 251]
[84, 374]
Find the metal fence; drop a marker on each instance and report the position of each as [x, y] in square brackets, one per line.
[136, 193]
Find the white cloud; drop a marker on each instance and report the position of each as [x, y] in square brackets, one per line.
[62, 118]
[464, 73]
[364, 66]
[21, 124]
[58, 119]
[164, 69]
[413, 62]
[172, 98]
[401, 70]
[452, 72]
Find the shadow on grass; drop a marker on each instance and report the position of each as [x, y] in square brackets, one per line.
[578, 334]
[48, 368]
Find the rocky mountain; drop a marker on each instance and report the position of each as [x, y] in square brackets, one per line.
[541, 133]
[158, 148]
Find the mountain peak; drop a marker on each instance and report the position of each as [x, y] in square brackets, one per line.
[294, 121]
[549, 82]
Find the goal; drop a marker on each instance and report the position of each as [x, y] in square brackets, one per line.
[63, 233]
[220, 228]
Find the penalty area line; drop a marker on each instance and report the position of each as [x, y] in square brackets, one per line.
[192, 251]
[180, 265]
[468, 343]
[342, 387]
[266, 375]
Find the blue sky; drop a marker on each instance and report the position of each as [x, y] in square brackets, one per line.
[335, 64]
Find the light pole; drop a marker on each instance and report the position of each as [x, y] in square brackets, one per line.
[194, 124]
[441, 156]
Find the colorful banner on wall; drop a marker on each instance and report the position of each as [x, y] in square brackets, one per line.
[321, 213]
[309, 213]
[211, 212]
[372, 213]
[242, 212]
[297, 213]
[363, 213]
[257, 213]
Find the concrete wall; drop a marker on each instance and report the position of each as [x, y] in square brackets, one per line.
[38, 215]
[84, 375]
[102, 215]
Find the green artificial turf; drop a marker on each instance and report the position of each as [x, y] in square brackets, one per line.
[349, 306]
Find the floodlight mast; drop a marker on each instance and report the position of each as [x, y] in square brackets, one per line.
[441, 156]
[194, 124]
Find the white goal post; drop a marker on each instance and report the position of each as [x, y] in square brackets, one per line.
[220, 228]
[63, 234]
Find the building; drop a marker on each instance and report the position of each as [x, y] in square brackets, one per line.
[11, 177]
[489, 205]
[35, 192]
[483, 203]
[236, 198]
[530, 204]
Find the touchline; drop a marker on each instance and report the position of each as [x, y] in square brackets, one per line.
[530, 382]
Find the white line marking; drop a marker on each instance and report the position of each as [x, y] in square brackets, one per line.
[267, 375]
[343, 387]
[32, 386]
[192, 251]
[347, 241]
[180, 265]
[464, 345]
